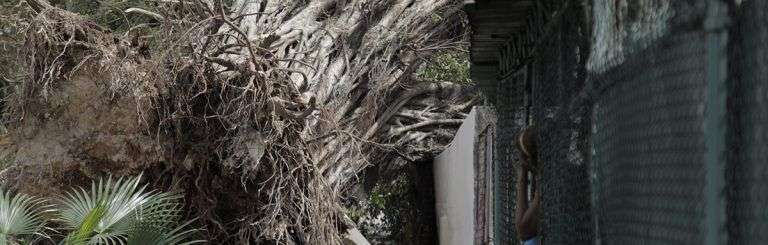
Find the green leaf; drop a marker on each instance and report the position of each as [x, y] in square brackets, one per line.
[121, 212]
[148, 234]
[20, 216]
[85, 231]
[448, 66]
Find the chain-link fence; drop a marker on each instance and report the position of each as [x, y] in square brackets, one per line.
[649, 145]
[562, 126]
[662, 139]
[511, 118]
[548, 93]
[748, 162]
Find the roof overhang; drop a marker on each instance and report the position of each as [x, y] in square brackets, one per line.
[493, 22]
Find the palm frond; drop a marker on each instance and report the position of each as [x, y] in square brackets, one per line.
[21, 216]
[113, 210]
[84, 232]
[162, 209]
[148, 234]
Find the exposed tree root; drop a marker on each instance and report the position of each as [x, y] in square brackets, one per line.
[263, 113]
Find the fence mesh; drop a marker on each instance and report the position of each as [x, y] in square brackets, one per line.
[649, 145]
[748, 172]
[623, 147]
[511, 118]
[562, 127]
[648, 141]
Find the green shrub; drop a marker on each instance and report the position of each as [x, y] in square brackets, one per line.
[449, 66]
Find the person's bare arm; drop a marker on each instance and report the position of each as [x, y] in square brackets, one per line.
[531, 216]
[527, 216]
[522, 224]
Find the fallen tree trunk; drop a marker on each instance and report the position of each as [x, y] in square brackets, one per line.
[262, 112]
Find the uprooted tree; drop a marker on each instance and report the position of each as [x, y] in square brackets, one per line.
[263, 112]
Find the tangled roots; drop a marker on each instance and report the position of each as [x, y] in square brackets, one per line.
[229, 132]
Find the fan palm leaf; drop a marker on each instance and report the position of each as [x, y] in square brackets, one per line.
[21, 216]
[120, 212]
[180, 235]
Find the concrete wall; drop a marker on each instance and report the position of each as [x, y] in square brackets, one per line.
[454, 187]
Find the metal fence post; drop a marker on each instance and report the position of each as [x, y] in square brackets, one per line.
[715, 123]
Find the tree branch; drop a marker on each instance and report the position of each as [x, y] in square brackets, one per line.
[400, 130]
[145, 12]
[39, 5]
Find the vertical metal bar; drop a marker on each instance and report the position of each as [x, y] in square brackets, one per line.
[489, 202]
[715, 123]
[594, 172]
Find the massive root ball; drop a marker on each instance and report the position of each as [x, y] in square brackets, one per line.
[77, 109]
[263, 112]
